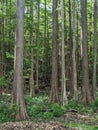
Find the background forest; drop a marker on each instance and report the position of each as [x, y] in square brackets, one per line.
[48, 59]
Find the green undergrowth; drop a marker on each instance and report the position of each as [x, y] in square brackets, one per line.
[39, 108]
[82, 108]
[4, 108]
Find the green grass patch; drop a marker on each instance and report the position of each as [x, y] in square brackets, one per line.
[81, 126]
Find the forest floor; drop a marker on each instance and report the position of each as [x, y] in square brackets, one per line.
[69, 121]
[45, 116]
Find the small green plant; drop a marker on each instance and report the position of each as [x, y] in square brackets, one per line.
[75, 105]
[3, 82]
[57, 110]
[4, 109]
[15, 109]
[96, 102]
[48, 115]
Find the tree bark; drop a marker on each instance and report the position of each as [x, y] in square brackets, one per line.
[63, 78]
[54, 82]
[38, 41]
[18, 85]
[45, 45]
[74, 68]
[86, 95]
[95, 48]
[3, 49]
[32, 89]
[70, 44]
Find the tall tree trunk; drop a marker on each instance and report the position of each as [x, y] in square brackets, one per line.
[18, 85]
[86, 95]
[95, 48]
[74, 68]
[70, 42]
[32, 89]
[63, 78]
[38, 41]
[54, 82]
[0, 48]
[3, 51]
[45, 52]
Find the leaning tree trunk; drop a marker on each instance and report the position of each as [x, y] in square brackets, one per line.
[18, 85]
[86, 95]
[54, 84]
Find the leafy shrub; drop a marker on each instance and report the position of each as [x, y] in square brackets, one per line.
[14, 110]
[96, 102]
[75, 105]
[3, 82]
[35, 106]
[3, 112]
[48, 115]
[7, 112]
[39, 108]
[57, 110]
[4, 108]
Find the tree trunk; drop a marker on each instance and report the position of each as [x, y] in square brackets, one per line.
[0, 47]
[70, 44]
[32, 90]
[3, 49]
[54, 82]
[95, 48]
[45, 52]
[74, 68]
[18, 85]
[63, 78]
[86, 95]
[38, 41]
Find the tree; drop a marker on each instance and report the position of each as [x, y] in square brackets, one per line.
[63, 80]
[18, 85]
[32, 90]
[86, 95]
[38, 41]
[70, 44]
[74, 46]
[95, 48]
[3, 51]
[54, 82]
[45, 42]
